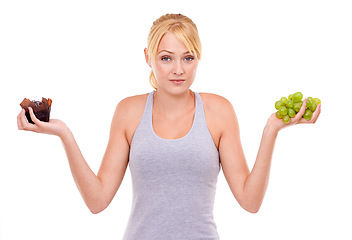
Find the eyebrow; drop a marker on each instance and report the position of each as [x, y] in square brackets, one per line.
[170, 52]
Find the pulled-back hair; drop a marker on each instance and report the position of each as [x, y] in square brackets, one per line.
[182, 27]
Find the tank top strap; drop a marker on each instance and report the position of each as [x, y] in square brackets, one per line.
[199, 114]
[149, 106]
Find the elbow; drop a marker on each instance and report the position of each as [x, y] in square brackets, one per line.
[97, 207]
[251, 204]
[95, 210]
[251, 208]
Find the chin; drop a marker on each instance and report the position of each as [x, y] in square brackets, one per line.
[177, 91]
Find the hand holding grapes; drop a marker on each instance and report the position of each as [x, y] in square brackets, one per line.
[294, 111]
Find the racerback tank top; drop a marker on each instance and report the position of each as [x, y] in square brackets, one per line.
[173, 181]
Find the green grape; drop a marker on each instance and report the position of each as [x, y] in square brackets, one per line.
[307, 114]
[297, 106]
[313, 106]
[279, 104]
[283, 111]
[309, 102]
[291, 113]
[289, 104]
[297, 97]
[278, 115]
[286, 119]
[317, 101]
[289, 107]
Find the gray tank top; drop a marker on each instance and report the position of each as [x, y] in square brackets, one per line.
[174, 181]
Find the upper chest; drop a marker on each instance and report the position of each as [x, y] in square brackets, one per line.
[173, 127]
[176, 127]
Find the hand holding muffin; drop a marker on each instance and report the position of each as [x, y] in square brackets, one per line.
[35, 117]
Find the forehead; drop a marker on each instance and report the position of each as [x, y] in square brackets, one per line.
[171, 43]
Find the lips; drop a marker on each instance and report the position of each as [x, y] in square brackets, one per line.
[177, 81]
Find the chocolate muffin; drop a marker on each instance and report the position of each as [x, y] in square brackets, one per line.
[41, 109]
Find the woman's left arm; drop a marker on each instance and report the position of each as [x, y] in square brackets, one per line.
[249, 187]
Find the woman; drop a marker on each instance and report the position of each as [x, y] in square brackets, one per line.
[175, 141]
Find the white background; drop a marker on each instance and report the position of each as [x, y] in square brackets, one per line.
[88, 55]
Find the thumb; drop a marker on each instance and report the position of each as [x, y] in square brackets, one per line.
[33, 117]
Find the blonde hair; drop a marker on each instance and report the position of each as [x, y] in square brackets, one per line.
[182, 27]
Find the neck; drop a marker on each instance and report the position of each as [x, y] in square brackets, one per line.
[173, 105]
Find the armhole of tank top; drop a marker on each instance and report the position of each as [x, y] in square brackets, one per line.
[201, 115]
[144, 115]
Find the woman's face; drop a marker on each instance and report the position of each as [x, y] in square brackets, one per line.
[174, 66]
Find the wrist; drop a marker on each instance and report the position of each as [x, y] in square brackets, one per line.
[65, 134]
[270, 130]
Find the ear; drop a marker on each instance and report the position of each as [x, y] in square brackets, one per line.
[147, 58]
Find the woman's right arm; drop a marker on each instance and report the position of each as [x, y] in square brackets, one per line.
[97, 190]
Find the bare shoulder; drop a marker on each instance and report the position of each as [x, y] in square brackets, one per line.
[132, 105]
[219, 114]
[128, 114]
[216, 105]
[211, 97]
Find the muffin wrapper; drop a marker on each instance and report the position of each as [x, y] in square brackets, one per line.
[41, 109]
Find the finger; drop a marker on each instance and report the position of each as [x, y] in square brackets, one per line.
[298, 117]
[33, 117]
[314, 117]
[316, 113]
[19, 122]
[23, 120]
[25, 124]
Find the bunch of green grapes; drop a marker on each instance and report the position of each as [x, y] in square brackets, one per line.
[289, 107]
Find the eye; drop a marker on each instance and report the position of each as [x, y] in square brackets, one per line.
[165, 58]
[190, 58]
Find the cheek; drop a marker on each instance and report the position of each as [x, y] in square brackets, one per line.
[192, 69]
[161, 69]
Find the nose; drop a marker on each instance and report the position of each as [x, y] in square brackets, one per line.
[178, 68]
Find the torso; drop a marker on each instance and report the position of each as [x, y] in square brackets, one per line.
[174, 166]
[174, 128]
